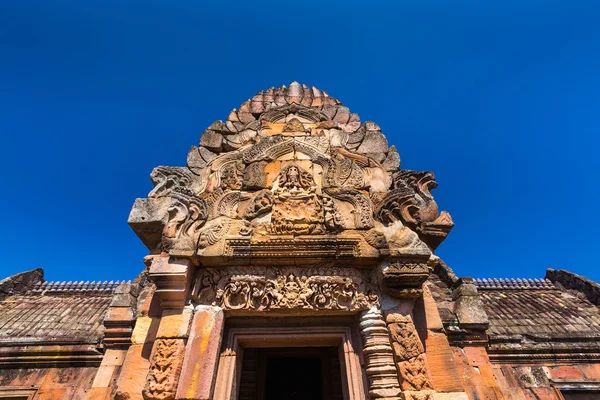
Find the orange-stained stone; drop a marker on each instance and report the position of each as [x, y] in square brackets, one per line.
[450, 396]
[426, 315]
[145, 330]
[69, 377]
[53, 394]
[133, 374]
[114, 357]
[477, 355]
[103, 376]
[591, 371]
[146, 294]
[566, 372]
[119, 314]
[487, 374]
[175, 324]
[441, 364]
[500, 378]
[93, 394]
[201, 355]
[545, 393]
[26, 377]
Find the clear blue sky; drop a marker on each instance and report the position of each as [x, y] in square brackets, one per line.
[500, 99]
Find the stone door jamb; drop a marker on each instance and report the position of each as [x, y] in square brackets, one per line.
[230, 363]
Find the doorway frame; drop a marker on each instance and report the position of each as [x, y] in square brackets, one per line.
[230, 360]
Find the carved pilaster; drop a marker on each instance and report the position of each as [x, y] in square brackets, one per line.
[165, 367]
[381, 373]
[409, 355]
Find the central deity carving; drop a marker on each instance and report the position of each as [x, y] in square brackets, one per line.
[297, 208]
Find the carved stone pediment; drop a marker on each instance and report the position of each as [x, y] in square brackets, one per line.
[292, 174]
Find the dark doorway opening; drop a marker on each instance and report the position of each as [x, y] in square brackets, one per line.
[307, 373]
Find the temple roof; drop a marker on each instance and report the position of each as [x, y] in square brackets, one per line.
[33, 310]
[52, 318]
[539, 311]
[556, 314]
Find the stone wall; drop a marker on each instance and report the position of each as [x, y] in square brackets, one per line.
[52, 383]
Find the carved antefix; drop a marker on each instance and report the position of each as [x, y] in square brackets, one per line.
[270, 288]
[165, 367]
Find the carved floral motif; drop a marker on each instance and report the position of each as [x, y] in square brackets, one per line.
[408, 353]
[165, 367]
[414, 374]
[405, 342]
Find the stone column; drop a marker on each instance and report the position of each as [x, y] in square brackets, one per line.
[202, 355]
[381, 372]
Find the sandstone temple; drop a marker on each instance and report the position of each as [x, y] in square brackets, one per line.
[292, 258]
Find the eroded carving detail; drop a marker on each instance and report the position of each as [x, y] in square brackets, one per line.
[363, 216]
[414, 374]
[165, 367]
[408, 353]
[297, 209]
[187, 215]
[261, 289]
[167, 178]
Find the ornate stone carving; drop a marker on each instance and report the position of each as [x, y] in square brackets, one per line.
[214, 231]
[405, 242]
[412, 202]
[187, 215]
[362, 212]
[262, 289]
[406, 273]
[291, 167]
[405, 341]
[381, 373]
[254, 176]
[414, 374]
[376, 239]
[165, 367]
[167, 178]
[260, 203]
[408, 353]
[297, 209]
